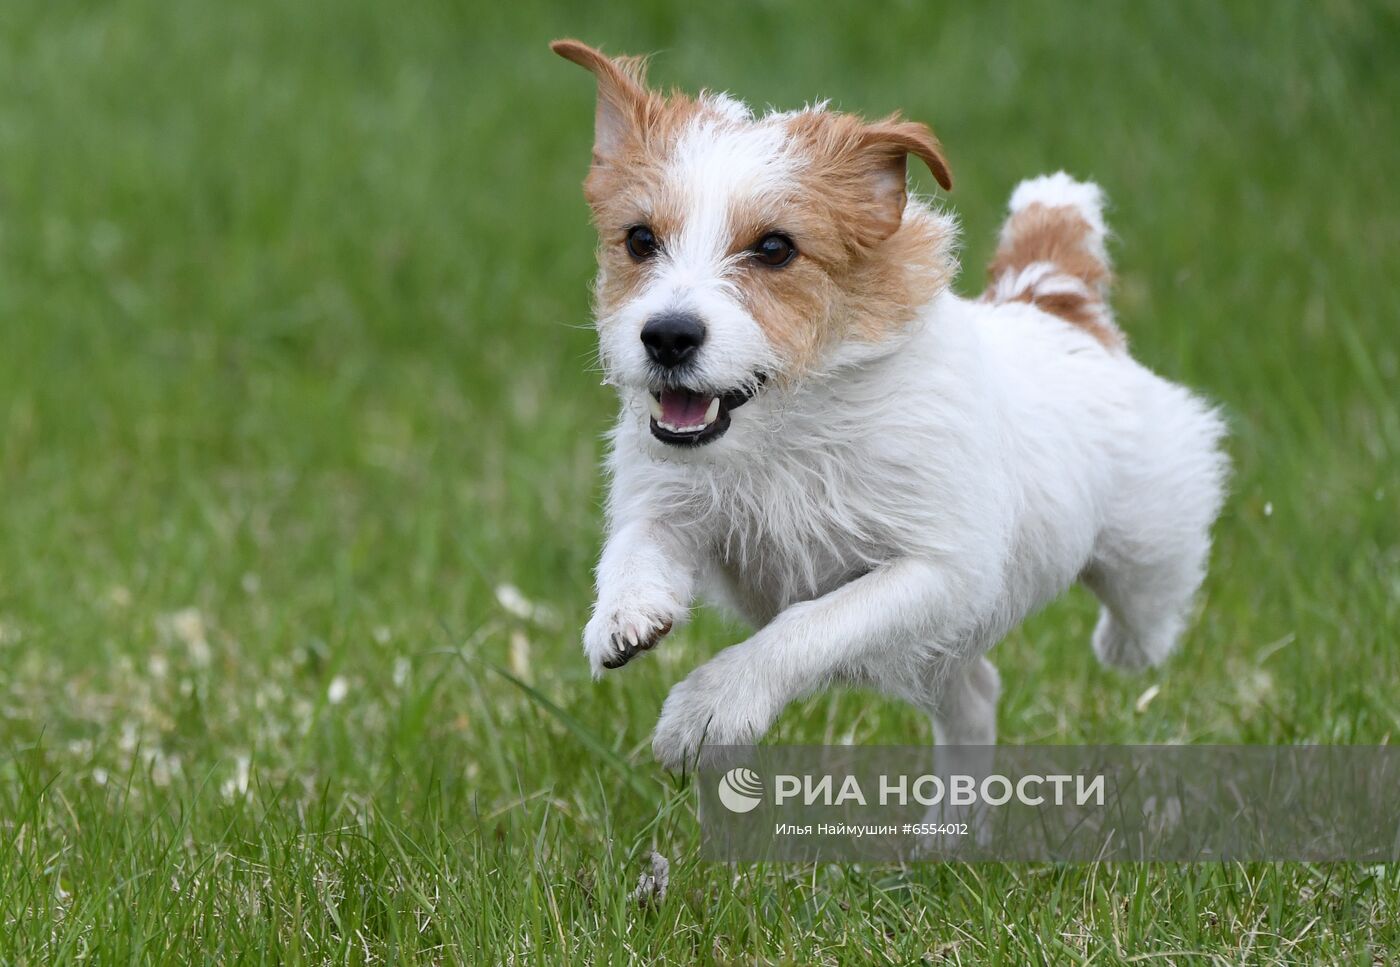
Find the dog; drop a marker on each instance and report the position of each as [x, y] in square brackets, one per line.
[816, 433]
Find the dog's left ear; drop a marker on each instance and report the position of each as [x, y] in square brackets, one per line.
[622, 95]
[889, 143]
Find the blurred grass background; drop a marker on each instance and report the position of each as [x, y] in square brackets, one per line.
[298, 443]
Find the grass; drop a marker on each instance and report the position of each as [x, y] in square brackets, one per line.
[294, 388]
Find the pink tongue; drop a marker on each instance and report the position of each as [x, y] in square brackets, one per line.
[681, 408]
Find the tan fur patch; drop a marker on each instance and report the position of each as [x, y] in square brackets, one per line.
[866, 265]
[810, 305]
[1061, 237]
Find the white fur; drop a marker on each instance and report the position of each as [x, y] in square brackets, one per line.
[887, 520]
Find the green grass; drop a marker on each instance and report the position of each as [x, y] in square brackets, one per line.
[294, 378]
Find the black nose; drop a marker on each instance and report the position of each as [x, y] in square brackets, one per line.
[673, 337]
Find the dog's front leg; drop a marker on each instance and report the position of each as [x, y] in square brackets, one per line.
[646, 579]
[733, 699]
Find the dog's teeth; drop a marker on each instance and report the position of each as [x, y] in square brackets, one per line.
[654, 405]
[713, 412]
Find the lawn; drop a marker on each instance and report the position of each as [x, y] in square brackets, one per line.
[299, 496]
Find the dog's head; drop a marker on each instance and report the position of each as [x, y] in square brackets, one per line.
[738, 252]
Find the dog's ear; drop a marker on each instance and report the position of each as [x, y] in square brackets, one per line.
[622, 94]
[887, 144]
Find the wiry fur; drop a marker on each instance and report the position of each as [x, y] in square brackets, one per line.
[920, 472]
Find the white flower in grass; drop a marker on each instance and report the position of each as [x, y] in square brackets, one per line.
[338, 689]
[509, 597]
[160, 766]
[130, 736]
[1145, 699]
[80, 748]
[520, 655]
[236, 786]
[188, 627]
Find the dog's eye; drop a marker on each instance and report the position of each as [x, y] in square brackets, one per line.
[775, 250]
[641, 243]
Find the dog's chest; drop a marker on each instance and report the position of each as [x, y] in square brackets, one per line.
[795, 529]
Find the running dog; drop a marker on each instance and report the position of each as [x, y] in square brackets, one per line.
[881, 476]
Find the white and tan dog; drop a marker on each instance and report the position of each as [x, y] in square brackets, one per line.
[881, 476]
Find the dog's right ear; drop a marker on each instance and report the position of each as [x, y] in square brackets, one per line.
[622, 95]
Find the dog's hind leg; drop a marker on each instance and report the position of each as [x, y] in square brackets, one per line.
[965, 710]
[1145, 606]
[1151, 556]
[959, 697]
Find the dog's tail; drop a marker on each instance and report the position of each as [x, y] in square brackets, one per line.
[1052, 255]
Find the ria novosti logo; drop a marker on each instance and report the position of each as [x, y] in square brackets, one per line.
[740, 790]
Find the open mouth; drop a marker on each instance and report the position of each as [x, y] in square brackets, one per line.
[685, 418]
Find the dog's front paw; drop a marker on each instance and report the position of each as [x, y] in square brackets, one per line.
[722, 703]
[615, 635]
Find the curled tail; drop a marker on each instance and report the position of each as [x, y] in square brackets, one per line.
[1052, 255]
